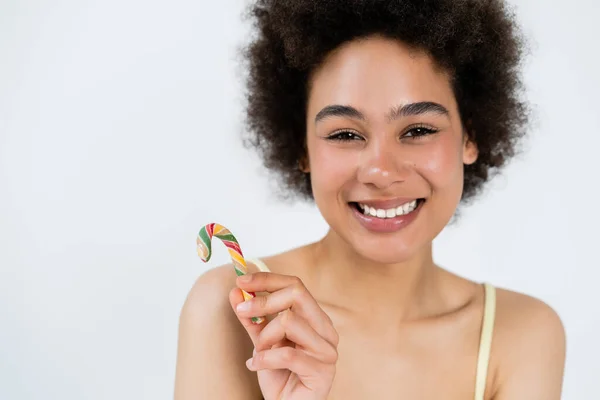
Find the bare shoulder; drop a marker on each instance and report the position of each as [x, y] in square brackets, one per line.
[212, 286]
[213, 346]
[208, 300]
[528, 349]
[521, 318]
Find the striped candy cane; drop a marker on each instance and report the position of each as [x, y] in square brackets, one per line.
[203, 244]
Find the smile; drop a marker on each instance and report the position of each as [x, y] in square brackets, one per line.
[384, 217]
[402, 209]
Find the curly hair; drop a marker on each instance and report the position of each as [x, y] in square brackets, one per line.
[478, 42]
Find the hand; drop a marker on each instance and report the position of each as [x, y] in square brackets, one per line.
[296, 352]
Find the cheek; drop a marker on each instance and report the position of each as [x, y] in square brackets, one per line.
[330, 167]
[441, 163]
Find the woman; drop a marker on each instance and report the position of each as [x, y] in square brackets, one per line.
[388, 115]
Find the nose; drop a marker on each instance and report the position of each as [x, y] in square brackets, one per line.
[382, 164]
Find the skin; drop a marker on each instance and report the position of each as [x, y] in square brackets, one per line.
[359, 314]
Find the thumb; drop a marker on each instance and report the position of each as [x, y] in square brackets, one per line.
[236, 297]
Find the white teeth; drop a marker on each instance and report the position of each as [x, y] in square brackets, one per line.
[391, 213]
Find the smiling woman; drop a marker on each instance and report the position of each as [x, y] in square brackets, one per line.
[403, 142]
[387, 115]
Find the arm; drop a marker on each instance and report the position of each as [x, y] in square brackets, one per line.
[534, 356]
[213, 346]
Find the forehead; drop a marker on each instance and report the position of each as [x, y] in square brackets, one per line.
[377, 73]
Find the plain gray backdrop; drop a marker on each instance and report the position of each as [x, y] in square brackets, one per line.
[119, 139]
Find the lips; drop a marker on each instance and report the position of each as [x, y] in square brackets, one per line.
[388, 220]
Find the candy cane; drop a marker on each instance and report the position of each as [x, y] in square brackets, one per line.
[203, 244]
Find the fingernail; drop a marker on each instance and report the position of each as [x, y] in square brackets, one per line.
[243, 307]
[249, 363]
[245, 278]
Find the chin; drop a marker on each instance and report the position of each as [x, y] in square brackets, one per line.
[387, 251]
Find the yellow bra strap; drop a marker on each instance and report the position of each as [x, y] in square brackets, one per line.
[485, 342]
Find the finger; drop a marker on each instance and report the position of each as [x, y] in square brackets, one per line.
[295, 298]
[236, 297]
[288, 325]
[265, 281]
[288, 358]
[291, 294]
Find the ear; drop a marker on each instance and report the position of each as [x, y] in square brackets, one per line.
[303, 164]
[470, 150]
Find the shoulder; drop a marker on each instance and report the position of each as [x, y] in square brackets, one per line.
[207, 307]
[208, 299]
[213, 345]
[521, 318]
[528, 343]
[213, 286]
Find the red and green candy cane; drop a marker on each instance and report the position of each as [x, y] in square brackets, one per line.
[204, 247]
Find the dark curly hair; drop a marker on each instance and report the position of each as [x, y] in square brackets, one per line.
[477, 42]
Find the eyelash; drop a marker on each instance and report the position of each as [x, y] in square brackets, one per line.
[342, 135]
[338, 136]
[425, 131]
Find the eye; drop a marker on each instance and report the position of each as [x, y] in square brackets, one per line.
[419, 132]
[344, 136]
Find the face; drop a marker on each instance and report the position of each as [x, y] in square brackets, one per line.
[386, 148]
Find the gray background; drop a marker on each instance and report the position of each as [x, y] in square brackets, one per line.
[119, 125]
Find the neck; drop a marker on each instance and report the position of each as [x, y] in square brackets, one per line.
[371, 290]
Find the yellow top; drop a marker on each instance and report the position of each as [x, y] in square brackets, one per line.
[485, 341]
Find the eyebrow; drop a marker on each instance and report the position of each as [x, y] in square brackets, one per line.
[410, 109]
